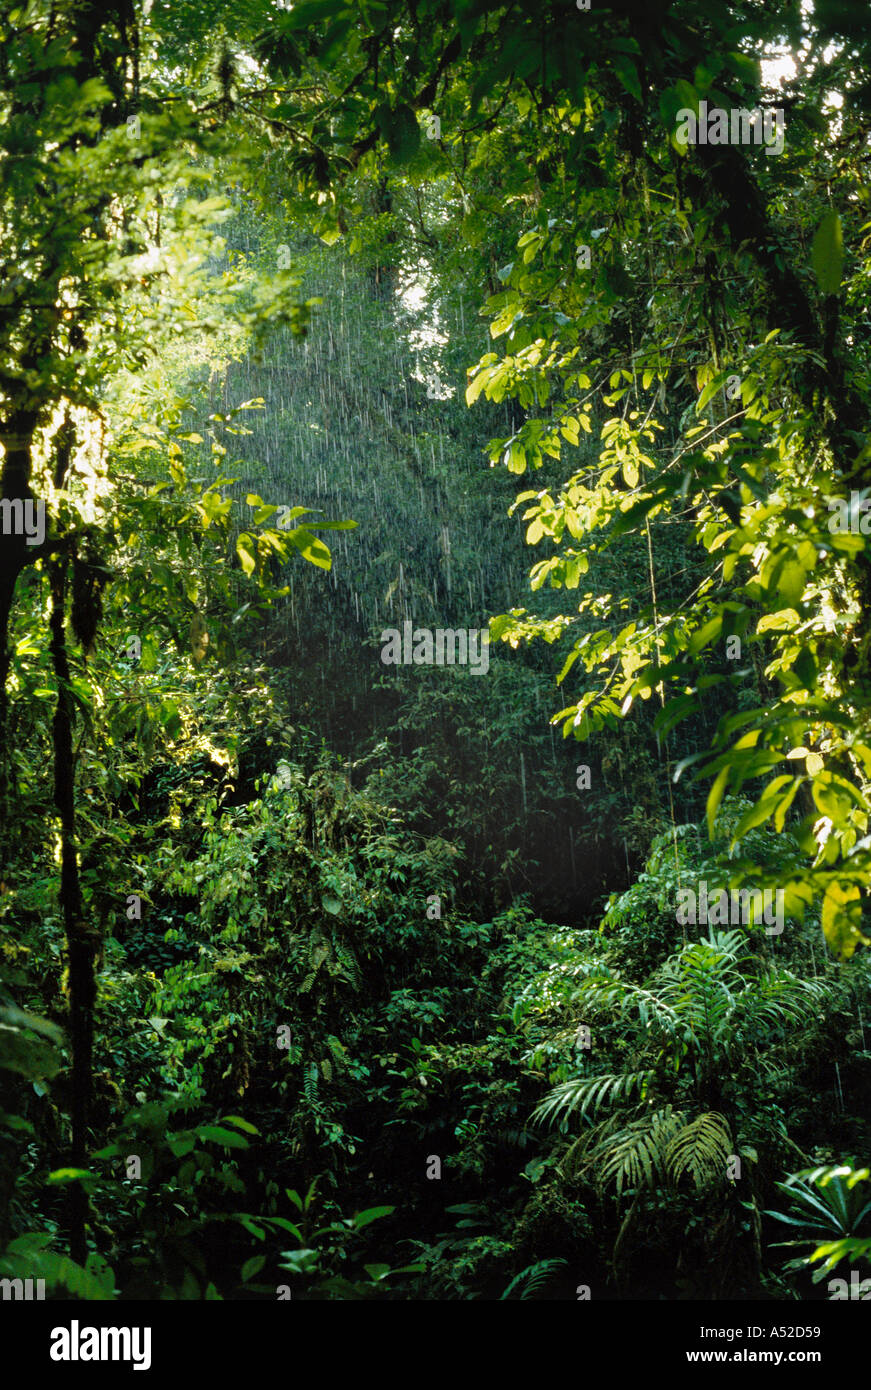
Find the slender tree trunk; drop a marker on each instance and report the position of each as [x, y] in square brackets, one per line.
[16, 434]
[82, 943]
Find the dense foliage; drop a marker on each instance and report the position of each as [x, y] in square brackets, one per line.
[327, 978]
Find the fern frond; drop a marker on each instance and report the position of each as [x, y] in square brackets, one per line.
[780, 998]
[528, 1282]
[348, 961]
[578, 1155]
[588, 1093]
[338, 1049]
[310, 1083]
[635, 1155]
[701, 1149]
[728, 943]
[619, 994]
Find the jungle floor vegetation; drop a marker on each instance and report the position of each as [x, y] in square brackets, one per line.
[329, 979]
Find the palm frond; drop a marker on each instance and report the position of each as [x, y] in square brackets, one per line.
[610, 994]
[780, 998]
[636, 1155]
[530, 1280]
[585, 1093]
[700, 1149]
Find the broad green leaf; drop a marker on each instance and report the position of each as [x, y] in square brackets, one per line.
[715, 796]
[20, 1018]
[252, 1267]
[763, 808]
[29, 1056]
[310, 547]
[363, 1218]
[842, 918]
[246, 549]
[706, 634]
[791, 581]
[218, 1135]
[64, 1175]
[627, 74]
[244, 1125]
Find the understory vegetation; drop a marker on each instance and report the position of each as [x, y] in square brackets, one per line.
[327, 978]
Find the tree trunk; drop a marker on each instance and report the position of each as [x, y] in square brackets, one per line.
[16, 435]
[82, 942]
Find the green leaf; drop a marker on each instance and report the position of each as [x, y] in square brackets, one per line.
[828, 253]
[15, 1122]
[180, 1144]
[64, 1175]
[791, 582]
[281, 1223]
[745, 67]
[784, 804]
[363, 1218]
[627, 75]
[252, 1267]
[247, 551]
[715, 796]
[310, 548]
[299, 1261]
[842, 918]
[476, 386]
[30, 1057]
[20, 1018]
[239, 1123]
[761, 810]
[308, 12]
[706, 634]
[218, 1135]
[783, 621]
[27, 1243]
[710, 390]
